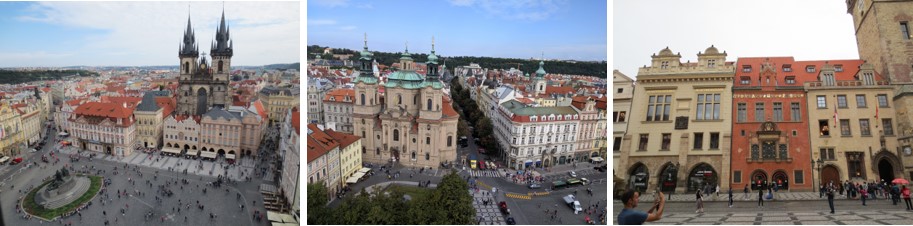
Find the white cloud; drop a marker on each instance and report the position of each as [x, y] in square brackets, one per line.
[151, 31]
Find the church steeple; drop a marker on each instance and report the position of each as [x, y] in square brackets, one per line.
[368, 68]
[541, 72]
[188, 47]
[222, 45]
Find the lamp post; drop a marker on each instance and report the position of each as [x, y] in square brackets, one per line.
[818, 165]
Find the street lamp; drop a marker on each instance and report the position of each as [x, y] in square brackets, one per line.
[818, 166]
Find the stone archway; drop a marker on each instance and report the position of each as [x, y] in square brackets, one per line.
[758, 179]
[701, 175]
[887, 165]
[668, 177]
[638, 177]
[780, 179]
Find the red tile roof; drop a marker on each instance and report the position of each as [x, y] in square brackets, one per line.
[549, 90]
[296, 120]
[166, 103]
[318, 143]
[181, 118]
[344, 139]
[107, 110]
[448, 108]
[339, 95]
[850, 69]
[130, 101]
[260, 109]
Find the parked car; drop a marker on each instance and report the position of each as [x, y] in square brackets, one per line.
[16, 161]
[534, 186]
[573, 174]
[503, 206]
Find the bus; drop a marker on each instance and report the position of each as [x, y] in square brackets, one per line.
[472, 161]
[574, 182]
[559, 184]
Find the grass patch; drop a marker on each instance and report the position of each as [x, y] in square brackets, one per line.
[33, 208]
[415, 192]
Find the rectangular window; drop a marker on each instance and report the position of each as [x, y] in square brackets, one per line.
[799, 177]
[642, 146]
[860, 101]
[905, 30]
[824, 128]
[698, 141]
[658, 108]
[778, 111]
[664, 64]
[714, 141]
[787, 68]
[888, 127]
[667, 140]
[810, 69]
[742, 112]
[828, 154]
[737, 176]
[845, 127]
[708, 106]
[795, 112]
[620, 90]
[854, 165]
[617, 144]
[841, 101]
[822, 102]
[759, 112]
[882, 100]
[790, 80]
[864, 127]
[746, 68]
[838, 68]
[745, 81]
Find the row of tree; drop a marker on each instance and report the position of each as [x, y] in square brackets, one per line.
[596, 69]
[17, 76]
[470, 112]
[449, 203]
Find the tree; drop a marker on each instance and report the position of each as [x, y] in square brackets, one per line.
[317, 201]
[462, 128]
[450, 203]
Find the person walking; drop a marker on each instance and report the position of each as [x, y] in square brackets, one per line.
[863, 192]
[760, 198]
[730, 197]
[700, 202]
[830, 198]
[906, 197]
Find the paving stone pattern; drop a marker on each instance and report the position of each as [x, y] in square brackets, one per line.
[890, 217]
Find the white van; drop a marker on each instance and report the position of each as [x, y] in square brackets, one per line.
[4, 159]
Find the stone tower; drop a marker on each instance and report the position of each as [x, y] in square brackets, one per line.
[203, 84]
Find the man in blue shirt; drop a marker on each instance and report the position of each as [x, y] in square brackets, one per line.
[630, 216]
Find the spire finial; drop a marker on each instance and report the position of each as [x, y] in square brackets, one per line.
[407, 46]
[366, 40]
[432, 43]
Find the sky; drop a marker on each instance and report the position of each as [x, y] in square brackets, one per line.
[559, 29]
[39, 34]
[806, 30]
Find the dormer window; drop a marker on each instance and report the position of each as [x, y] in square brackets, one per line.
[810, 69]
[828, 79]
[711, 63]
[838, 68]
[746, 68]
[868, 78]
[559, 117]
[790, 80]
[745, 80]
[787, 68]
[664, 65]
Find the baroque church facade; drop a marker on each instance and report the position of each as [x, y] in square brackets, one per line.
[411, 121]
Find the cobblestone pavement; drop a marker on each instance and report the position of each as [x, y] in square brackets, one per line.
[847, 212]
[178, 164]
[489, 214]
[738, 197]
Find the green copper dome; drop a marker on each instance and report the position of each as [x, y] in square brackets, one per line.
[541, 71]
[406, 79]
[432, 58]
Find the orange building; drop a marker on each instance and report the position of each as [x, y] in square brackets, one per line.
[770, 138]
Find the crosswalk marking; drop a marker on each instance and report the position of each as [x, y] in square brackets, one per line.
[518, 196]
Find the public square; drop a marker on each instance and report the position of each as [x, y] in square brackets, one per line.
[143, 183]
[777, 212]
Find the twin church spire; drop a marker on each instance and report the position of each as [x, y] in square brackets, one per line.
[221, 46]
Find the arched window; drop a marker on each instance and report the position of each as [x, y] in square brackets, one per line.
[395, 135]
[427, 156]
[427, 140]
[399, 98]
[362, 99]
[449, 141]
[413, 155]
[429, 104]
[186, 68]
[377, 152]
[220, 66]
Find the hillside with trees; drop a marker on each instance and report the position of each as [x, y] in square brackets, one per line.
[20, 76]
[596, 69]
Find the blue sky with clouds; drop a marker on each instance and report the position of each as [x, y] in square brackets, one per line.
[562, 29]
[142, 33]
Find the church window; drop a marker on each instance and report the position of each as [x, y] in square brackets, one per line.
[413, 155]
[429, 104]
[449, 141]
[427, 140]
[427, 156]
[220, 66]
[395, 135]
[399, 98]
[905, 30]
[186, 68]
[362, 99]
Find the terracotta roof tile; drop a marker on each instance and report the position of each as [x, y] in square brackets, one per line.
[344, 139]
[107, 110]
[339, 95]
[318, 143]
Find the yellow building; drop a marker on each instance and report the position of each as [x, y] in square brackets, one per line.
[862, 145]
[10, 130]
[349, 155]
[31, 124]
[680, 136]
[277, 101]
